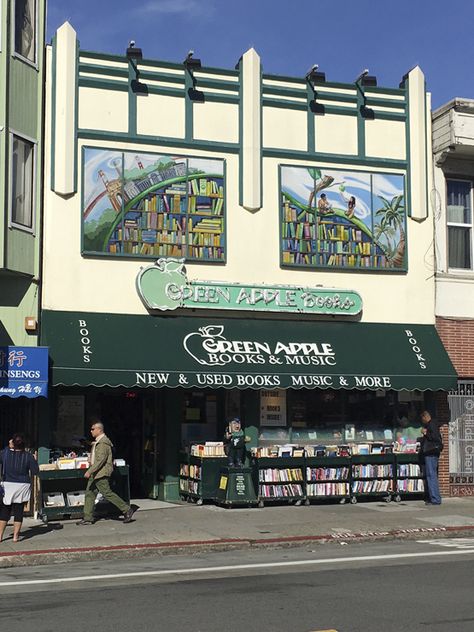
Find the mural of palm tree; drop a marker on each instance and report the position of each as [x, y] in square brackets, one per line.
[393, 216]
[389, 232]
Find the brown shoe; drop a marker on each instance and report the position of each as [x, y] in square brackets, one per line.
[127, 516]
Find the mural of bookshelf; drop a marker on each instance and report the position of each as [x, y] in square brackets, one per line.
[342, 219]
[330, 242]
[161, 206]
[174, 223]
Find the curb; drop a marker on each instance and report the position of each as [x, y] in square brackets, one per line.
[10, 559]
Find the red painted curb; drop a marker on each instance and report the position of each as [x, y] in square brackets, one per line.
[248, 541]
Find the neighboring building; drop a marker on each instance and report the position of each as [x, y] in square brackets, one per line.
[452, 202]
[295, 286]
[22, 24]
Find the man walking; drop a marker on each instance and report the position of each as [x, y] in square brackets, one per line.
[431, 446]
[98, 475]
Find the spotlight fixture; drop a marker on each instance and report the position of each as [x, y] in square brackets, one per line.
[132, 52]
[313, 76]
[192, 63]
[364, 79]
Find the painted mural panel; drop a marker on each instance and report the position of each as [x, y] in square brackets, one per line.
[342, 219]
[151, 205]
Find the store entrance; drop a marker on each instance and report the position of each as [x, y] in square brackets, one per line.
[122, 415]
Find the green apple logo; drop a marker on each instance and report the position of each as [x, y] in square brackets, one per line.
[199, 343]
[162, 284]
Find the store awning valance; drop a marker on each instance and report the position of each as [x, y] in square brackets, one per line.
[23, 371]
[163, 351]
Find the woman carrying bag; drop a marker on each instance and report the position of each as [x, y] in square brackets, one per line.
[17, 467]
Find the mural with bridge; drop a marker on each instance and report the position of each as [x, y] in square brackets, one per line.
[141, 203]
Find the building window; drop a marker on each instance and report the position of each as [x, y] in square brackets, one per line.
[22, 174]
[25, 29]
[459, 221]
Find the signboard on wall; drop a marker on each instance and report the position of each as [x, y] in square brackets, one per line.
[164, 286]
[273, 408]
[23, 372]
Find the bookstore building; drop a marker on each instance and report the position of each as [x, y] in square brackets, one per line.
[226, 243]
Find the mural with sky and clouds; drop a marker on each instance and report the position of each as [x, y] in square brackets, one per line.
[343, 219]
[147, 205]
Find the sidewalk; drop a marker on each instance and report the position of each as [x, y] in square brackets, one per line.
[170, 528]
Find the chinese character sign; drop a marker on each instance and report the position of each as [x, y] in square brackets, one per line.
[23, 371]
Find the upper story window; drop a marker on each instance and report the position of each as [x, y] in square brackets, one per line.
[25, 29]
[337, 219]
[138, 204]
[22, 182]
[459, 221]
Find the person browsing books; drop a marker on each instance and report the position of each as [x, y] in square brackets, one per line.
[431, 445]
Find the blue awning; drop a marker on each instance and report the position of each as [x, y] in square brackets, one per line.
[24, 371]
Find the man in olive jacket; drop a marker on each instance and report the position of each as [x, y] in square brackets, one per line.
[98, 476]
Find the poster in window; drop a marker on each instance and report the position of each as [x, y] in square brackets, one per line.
[273, 408]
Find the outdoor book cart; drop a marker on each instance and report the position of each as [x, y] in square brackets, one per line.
[409, 480]
[199, 477]
[279, 479]
[62, 493]
[328, 478]
[372, 475]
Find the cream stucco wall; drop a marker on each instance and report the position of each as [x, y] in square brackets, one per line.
[103, 109]
[385, 139]
[216, 122]
[76, 283]
[284, 128]
[106, 284]
[337, 134]
[159, 115]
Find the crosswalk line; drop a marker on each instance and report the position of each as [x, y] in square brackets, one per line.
[453, 543]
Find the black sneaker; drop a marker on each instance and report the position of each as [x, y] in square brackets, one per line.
[84, 523]
[127, 516]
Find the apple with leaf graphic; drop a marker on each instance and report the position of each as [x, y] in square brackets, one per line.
[195, 344]
[162, 284]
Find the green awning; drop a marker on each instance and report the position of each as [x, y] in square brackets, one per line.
[171, 351]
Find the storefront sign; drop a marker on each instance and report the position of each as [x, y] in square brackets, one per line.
[23, 371]
[165, 286]
[179, 351]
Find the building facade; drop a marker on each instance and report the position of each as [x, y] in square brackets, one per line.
[227, 242]
[22, 24]
[452, 201]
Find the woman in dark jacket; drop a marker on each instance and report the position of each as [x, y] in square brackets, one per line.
[17, 467]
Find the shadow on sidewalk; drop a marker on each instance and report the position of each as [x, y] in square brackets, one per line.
[37, 530]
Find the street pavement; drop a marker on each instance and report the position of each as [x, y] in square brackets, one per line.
[170, 528]
[409, 585]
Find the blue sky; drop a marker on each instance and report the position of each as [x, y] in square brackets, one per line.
[343, 36]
